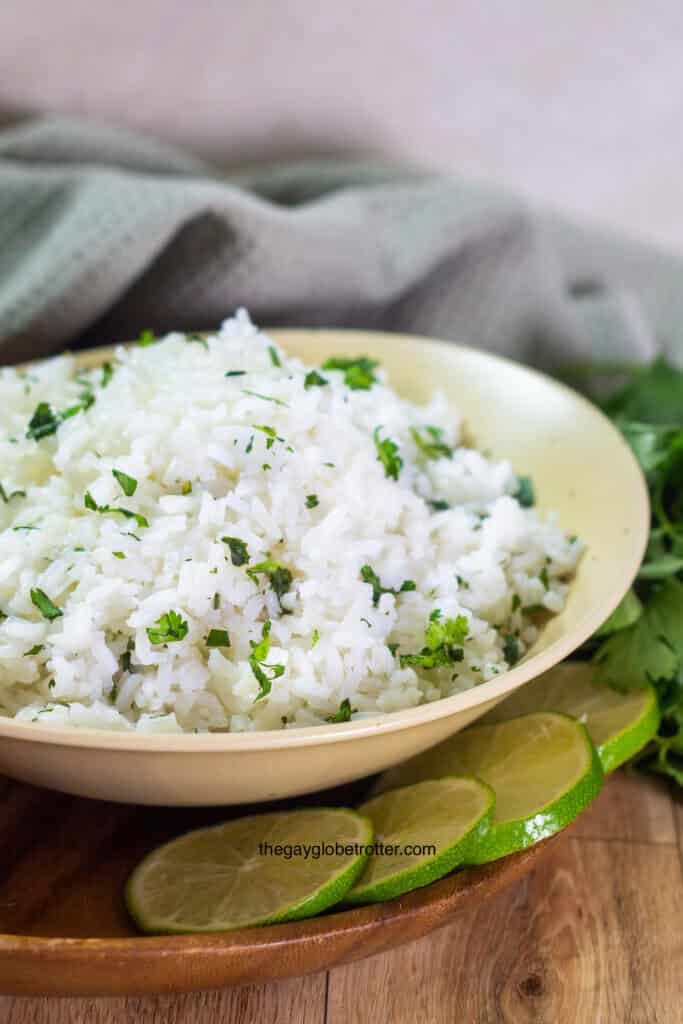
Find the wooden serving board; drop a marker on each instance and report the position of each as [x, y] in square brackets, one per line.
[65, 931]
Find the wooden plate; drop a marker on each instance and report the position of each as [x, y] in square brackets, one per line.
[63, 863]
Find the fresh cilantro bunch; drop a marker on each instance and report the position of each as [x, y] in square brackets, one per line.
[643, 639]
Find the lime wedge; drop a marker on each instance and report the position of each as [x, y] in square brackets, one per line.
[543, 769]
[421, 833]
[620, 724]
[225, 877]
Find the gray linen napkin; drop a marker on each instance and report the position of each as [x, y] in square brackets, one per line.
[103, 233]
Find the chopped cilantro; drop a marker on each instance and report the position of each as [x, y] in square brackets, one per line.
[216, 601]
[315, 638]
[36, 649]
[432, 446]
[44, 605]
[439, 505]
[279, 577]
[218, 638]
[127, 483]
[186, 487]
[265, 674]
[118, 554]
[312, 501]
[511, 651]
[92, 506]
[236, 373]
[43, 422]
[314, 380]
[265, 398]
[168, 629]
[368, 575]
[250, 445]
[388, 455]
[239, 552]
[543, 577]
[147, 337]
[344, 712]
[12, 494]
[516, 602]
[271, 435]
[443, 643]
[358, 373]
[107, 374]
[274, 355]
[23, 529]
[525, 492]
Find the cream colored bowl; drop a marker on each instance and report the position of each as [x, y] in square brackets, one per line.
[581, 467]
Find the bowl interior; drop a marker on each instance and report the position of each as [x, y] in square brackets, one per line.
[581, 468]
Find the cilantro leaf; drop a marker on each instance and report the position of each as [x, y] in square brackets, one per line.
[443, 643]
[239, 552]
[7, 497]
[388, 455]
[368, 575]
[169, 628]
[344, 712]
[127, 483]
[312, 501]
[358, 372]
[279, 577]
[525, 492]
[218, 638]
[432, 445]
[314, 380]
[43, 422]
[147, 337]
[92, 506]
[263, 673]
[45, 606]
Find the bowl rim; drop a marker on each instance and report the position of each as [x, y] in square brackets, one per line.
[383, 722]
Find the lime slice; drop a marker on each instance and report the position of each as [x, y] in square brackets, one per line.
[234, 876]
[620, 724]
[543, 769]
[421, 833]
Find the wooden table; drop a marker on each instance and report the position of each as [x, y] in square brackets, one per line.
[593, 936]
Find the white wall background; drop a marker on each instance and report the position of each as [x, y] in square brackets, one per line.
[576, 103]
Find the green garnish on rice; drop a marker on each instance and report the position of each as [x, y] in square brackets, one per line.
[92, 506]
[443, 643]
[257, 663]
[344, 712]
[358, 373]
[279, 577]
[218, 638]
[388, 455]
[432, 445]
[314, 380]
[45, 606]
[168, 629]
[7, 497]
[128, 484]
[239, 552]
[368, 575]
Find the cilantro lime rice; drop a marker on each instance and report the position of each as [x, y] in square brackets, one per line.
[205, 534]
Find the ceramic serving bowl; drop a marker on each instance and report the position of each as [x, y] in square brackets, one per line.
[581, 468]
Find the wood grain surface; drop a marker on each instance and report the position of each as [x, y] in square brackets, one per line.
[592, 935]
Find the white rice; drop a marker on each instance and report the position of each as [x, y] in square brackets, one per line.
[170, 418]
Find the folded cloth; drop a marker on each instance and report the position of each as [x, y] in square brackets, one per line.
[103, 233]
